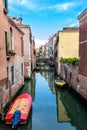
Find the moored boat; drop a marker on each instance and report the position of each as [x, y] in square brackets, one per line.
[23, 104]
[60, 82]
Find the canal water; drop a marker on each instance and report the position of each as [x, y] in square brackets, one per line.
[52, 108]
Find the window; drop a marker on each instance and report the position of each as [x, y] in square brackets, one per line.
[21, 69]
[5, 4]
[11, 39]
[12, 74]
[7, 79]
[22, 46]
[7, 42]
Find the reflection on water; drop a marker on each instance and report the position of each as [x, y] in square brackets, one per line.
[76, 109]
[49, 76]
[62, 113]
[52, 107]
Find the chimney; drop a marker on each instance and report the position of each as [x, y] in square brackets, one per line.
[17, 21]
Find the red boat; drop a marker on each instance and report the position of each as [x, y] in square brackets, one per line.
[22, 103]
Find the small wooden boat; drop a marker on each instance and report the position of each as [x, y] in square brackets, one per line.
[60, 82]
[21, 104]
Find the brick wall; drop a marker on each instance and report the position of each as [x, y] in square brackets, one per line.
[69, 73]
[83, 47]
[78, 82]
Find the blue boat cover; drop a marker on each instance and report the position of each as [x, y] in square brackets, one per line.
[16, 118]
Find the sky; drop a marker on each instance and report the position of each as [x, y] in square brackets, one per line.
[47, 17]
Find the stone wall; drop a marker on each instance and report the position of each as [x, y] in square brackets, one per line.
[70, 74]
[8, 94]
[78, 82]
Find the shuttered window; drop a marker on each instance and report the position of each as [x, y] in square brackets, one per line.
[11, 39]
[21, 69]
[22, 47]
[12, 74]
[7, 42]
[5, 3]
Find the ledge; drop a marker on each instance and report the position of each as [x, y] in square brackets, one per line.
[11, 52]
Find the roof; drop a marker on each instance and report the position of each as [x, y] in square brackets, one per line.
[23, 26]
[18, 22]
[69, 29]
[15, 25]
[82, 14]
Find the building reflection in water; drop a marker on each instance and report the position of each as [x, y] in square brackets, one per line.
[76, 109]
[29, 86]
[62, 114]
[69, 108]
[49, 75]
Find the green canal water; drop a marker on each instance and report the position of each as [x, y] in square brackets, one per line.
[52, 108]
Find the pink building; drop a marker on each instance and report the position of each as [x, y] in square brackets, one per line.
[51, 45]
[3, 29]
[3, 60]
[27, 39]
[15, 57]
[33, 55]
[11, 56]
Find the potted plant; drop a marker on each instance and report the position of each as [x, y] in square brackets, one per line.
[11, 52]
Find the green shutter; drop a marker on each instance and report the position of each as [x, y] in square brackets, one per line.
[6, 4]
[7, 41]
